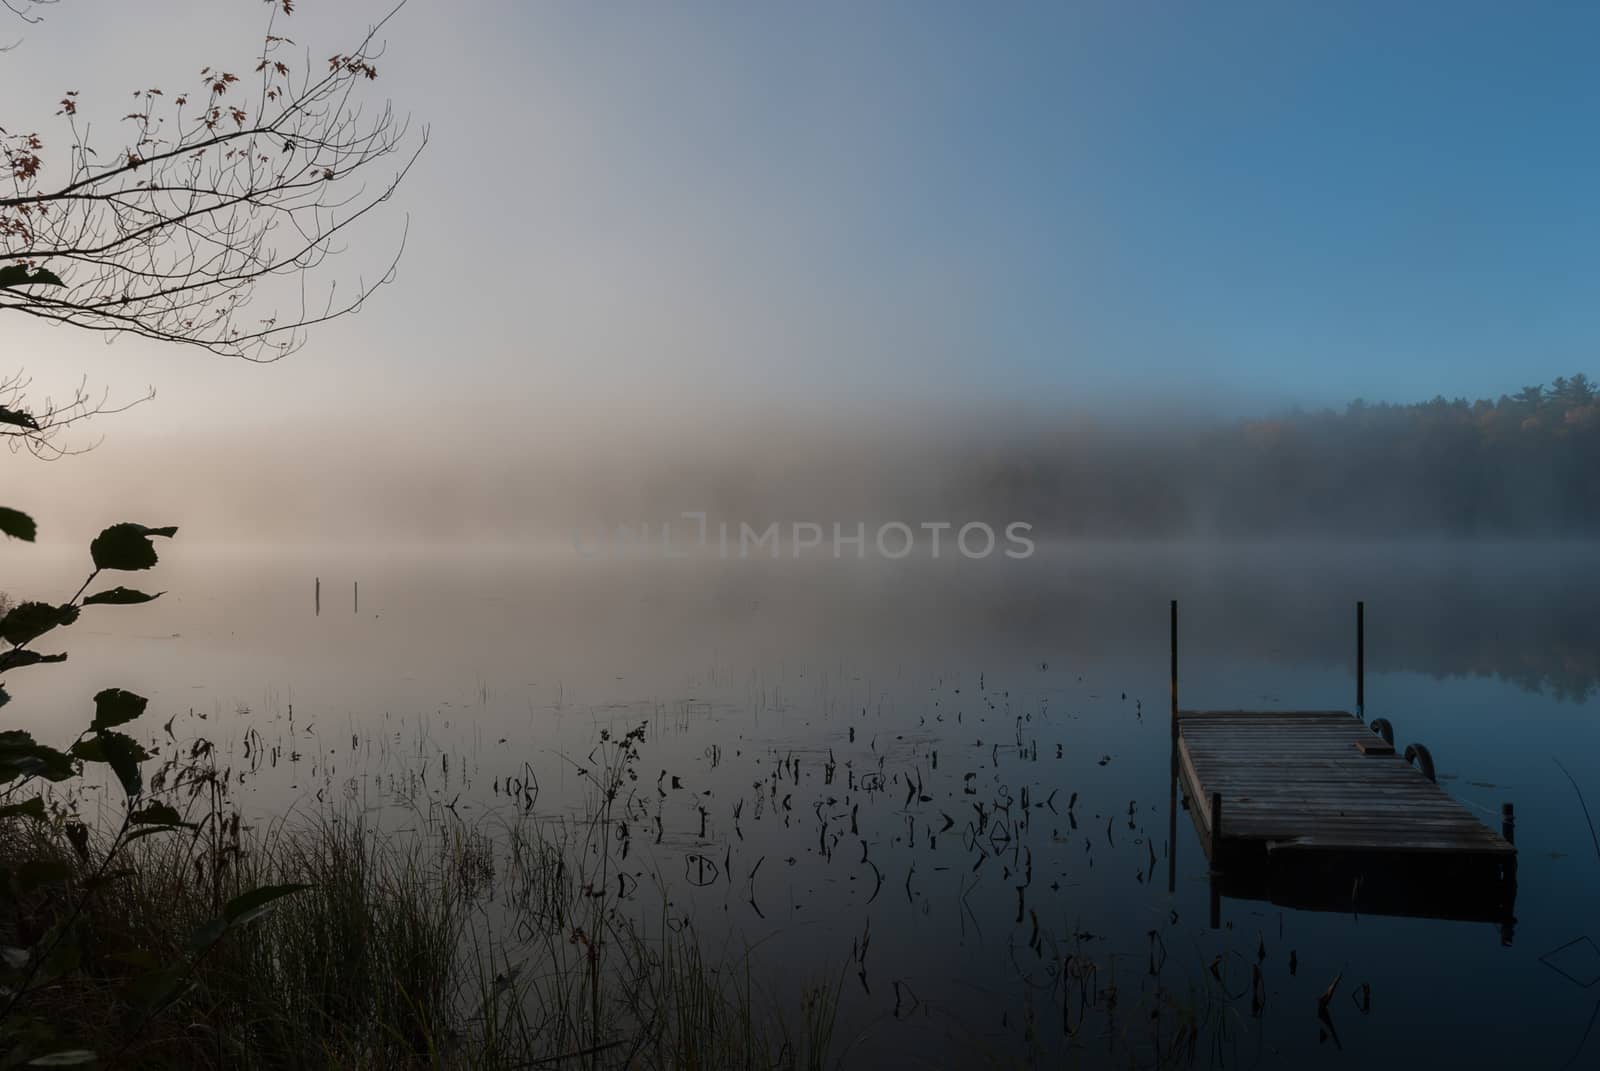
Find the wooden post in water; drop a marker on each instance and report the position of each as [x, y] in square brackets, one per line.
[1216, 829]
[1361, 660]
[316, 598]
[1508, 876]
[1174, 667]
[355, 596]
[1172, 780]
[1216, 854]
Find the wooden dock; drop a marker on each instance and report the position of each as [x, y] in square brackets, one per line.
[1262, 782]
[1317, 810]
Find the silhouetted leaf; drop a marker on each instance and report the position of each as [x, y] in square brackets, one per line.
[21, 755]
[113, 707]
[126, 546]
[156, 812]
[5, 697]
[17, 659]
[121, 752]
[119, 596]
[15, 523]
[20, 275]
[19, 418]
[30, 620]
[30, 808]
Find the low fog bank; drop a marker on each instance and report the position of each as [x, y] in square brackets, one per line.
[1516, 467]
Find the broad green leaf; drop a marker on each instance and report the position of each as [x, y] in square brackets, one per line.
[122, 753]
[119, 596]
[30, 620]
[15, 958]
[126, 546]
[15, 523]
[113, 707]
[20, 275]
[29, 808]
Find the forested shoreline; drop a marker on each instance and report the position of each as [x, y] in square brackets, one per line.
[1522, 465]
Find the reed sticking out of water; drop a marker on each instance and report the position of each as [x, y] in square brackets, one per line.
[1581, 803]
[384, 961]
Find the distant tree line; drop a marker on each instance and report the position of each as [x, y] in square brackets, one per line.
[1525, 464]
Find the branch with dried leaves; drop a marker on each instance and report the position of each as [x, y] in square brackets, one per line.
[206, 209]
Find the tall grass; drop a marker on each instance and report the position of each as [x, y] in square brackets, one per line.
[389, 959]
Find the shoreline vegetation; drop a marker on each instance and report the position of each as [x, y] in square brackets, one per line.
[383, 957]
[158, 930]
[499, 945]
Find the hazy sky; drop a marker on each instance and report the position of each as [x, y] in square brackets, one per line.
[631, 209]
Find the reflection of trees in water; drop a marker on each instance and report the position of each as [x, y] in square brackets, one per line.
[1525, 614]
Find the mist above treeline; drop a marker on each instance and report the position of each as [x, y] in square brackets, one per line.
[1526, 464]
[1520, 465]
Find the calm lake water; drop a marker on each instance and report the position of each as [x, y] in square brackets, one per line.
[885, 754]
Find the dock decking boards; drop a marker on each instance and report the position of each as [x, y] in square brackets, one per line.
[1295, 780]
[1313, 822]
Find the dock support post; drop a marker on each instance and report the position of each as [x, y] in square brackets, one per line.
[1508, 876]
[316, 598]
[1361, 660]
[1216, 854]
[355, 596]
[1216, 829]
[1174, 667]
[1172, 778]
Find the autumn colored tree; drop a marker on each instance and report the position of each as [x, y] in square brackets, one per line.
[177, 229]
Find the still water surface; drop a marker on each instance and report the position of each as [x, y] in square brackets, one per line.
[960, 765]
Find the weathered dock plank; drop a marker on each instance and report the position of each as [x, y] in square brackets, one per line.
[1296, 780]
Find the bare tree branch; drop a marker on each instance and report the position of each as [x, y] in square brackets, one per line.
[171, 233]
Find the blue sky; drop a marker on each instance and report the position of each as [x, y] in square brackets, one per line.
[1249, 204]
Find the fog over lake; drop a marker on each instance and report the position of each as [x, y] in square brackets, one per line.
[788, 703]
